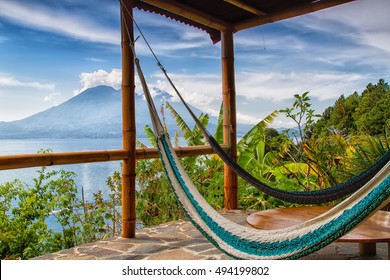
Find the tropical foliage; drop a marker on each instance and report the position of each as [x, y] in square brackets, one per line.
[155, 200]
[24, 210]
[365, 113]
[156, 203]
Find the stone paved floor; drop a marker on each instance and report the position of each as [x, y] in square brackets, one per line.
[181, 241]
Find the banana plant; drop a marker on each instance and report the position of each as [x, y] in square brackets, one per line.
[253, 142]
[266, 164]
[193, 137]
[261, 163]
[251, 149]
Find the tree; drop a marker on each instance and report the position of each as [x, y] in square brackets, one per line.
[367, 113]
[25, 208]
[373, 111]
[320, 154]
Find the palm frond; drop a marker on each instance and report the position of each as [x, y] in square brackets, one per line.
[180, 122]
[197, 135]
[150, 135]
[219, 131]
[252, 137]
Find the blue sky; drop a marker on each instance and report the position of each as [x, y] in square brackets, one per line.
[53, 50]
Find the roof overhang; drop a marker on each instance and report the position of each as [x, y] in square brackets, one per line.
[214, 16]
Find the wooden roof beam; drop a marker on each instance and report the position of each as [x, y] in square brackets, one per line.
[190, 13]
[246, 7]
[298, 11]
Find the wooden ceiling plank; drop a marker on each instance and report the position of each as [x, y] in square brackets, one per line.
[190, 13]
[286, 14]
[246, 7]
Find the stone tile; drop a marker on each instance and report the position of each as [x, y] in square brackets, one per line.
[193, 234]
[187, 227]
[125, 257]
[46, 257]
[194, 243]
[97, 252]
[142, 240]
[138, 235]
[200, 248]
[69, 251]
[180, 240]
[169, 236]
[149, 249]
[112, 245]
[76, 257]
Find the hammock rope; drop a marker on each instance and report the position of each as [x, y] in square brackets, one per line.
[247, 243]
[302, 197]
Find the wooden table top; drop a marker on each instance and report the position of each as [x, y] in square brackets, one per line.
[374, 229]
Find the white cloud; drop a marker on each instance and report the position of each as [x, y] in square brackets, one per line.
[274, 41]
[198, 89]
[379, 40]
[177, 36]
[94, 59]
[367, 22]
[51, 96]
[242, 118]
[204, 89]
[100, 77]
[201, 90]
[58, 20]
[166, 46]
[282, 121]
[277, 86]
[258, 88]
[9, 81]
[363, 14]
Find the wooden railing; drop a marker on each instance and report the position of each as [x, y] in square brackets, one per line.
[8, 162]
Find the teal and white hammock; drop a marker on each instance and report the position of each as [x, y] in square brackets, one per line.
[301, 197]
[247, 243]
[293, 242]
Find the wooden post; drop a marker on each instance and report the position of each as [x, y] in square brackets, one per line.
[128, 125]
[229, 116]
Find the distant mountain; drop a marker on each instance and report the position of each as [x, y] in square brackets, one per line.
[94, 113]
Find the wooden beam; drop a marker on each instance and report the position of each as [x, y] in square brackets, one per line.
[191, 13]
[246, 7]
[47, 159]
[149, 153]
[229, 117]
[286, 14]
[9, 162]
[128, 124]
